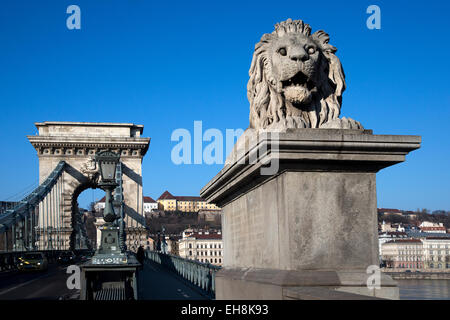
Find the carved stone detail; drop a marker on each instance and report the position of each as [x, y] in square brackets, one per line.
[296, 80]
[90, 169]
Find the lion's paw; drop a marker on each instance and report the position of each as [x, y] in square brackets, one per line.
[343, 123]
[288, 123]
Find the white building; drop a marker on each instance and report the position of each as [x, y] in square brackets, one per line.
[432, 227]
[436, 252]
[203, 246]
[388, 236]
[150, 205]
[99, 205]
[403, 254]
[387, 227]
[429, 253]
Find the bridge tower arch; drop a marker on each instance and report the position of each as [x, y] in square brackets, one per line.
[76, 143]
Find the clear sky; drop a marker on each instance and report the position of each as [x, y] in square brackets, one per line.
[165, 64]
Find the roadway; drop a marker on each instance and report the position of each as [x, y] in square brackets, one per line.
[45, 285]
[154, 283]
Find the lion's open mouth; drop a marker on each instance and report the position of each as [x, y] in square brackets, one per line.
[299, 80]
[298, 90]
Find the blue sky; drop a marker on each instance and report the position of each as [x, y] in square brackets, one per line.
[166, 64]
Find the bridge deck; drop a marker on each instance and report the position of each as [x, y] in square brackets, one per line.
[157, 283]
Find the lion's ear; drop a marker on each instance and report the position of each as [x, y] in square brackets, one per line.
[322, 38]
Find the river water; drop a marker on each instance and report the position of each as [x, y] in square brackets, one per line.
[424, 289]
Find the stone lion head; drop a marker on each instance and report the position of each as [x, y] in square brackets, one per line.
[296, 80]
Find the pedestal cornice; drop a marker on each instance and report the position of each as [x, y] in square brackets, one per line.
[311, 150]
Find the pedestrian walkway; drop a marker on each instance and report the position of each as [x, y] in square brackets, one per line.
[157, 283]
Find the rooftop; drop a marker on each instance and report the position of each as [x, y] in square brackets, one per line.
[168, 196]
[405, 241]
[148, 200]
[189, 198]
[393, 233]
[418, 234]
[388, 210]
[433, 228]
[203, 236]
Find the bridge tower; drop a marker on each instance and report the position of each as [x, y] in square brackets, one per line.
[76, 143]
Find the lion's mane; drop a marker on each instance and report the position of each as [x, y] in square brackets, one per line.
[267, 105]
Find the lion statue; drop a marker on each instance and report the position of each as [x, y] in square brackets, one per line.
[296, 81]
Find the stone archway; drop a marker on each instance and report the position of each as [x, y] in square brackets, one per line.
[88, 184]
[77, 143]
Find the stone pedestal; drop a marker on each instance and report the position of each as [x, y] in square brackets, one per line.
[109, 281]
[310, 222]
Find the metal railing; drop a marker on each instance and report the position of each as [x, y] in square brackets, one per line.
[199, 274]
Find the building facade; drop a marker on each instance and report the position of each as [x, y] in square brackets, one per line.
[202, 246]
[384, 237]
[150, 205]
[100, 205]
[169, 202]
[436, 252]
[403, 254]
[431, 227]
[430, 253]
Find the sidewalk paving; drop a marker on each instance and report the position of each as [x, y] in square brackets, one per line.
[157, 283]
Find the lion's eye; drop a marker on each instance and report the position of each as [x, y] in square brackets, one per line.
[282, 51]
[311, 50]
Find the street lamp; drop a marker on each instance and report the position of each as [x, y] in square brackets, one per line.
[107, 162]
[109, 251]
[110, 267]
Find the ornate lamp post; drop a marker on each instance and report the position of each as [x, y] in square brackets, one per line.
[111, 270]
[107, 161]
[109, 251]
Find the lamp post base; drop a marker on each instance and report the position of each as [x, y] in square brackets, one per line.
[111, 274]
[109, 251]
[109, 281]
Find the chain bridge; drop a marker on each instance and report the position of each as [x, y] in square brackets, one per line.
[48, 220]
[66, 153]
